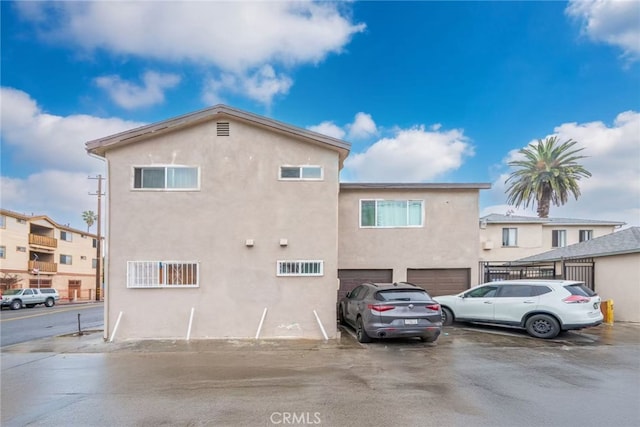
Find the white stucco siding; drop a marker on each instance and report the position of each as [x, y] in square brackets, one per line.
[240, 198]
[617, 278]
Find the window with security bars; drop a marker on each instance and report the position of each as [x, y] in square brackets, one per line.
[162, 274]
[300, 268]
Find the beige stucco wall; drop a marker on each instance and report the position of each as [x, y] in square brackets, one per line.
[240, 198]
[617, 278]
[533, 239]
[449, 238]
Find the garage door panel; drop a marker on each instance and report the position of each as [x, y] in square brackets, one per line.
[440, 281]
[349, 279]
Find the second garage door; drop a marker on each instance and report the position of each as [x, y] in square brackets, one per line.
[438, 281]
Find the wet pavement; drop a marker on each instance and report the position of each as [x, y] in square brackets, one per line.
[473, 376]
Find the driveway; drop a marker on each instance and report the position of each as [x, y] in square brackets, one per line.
[470, 377]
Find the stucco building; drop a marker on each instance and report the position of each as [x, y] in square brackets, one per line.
[223, 223]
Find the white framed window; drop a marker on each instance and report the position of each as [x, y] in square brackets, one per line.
[94, 263]
[509, 237]
[300, 268]
[21, 221]
[166, 178]
[391, 213]
[3, 221]
[66, 259]
[66, 236]
[163, 274]
[559, 238]
[301, 173]
[585, 235]
[21, 248]
[3, 252]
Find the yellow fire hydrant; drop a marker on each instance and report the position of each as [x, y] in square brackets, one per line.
[607, 311]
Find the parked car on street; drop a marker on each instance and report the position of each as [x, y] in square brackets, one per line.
[542, 307]
[391, 310]
[18, 298]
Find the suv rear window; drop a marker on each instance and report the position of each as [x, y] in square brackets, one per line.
[403, 295]
[580, 289]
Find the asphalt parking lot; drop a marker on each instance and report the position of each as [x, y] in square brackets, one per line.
[473, 376]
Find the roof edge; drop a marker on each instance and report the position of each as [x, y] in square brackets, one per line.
[413, 186]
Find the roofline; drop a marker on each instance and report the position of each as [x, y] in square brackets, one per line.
[549, 221]
[102, 145]
[414, 186]
[593, 255]
[32, 218]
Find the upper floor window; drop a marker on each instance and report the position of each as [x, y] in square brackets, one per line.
[509, 237]
[95, 243]
[166, 177]
[3, 221]
[301, 172]
[65, 259]
[3, 252]
[391, 213]
[66, 236]
[586, 235]
[94, 263]
[21, 248]
[21, 221]
[559, 238]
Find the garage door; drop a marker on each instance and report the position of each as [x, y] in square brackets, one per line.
[444, 281]
[349, 279]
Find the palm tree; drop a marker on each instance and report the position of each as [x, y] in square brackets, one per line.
[548, 173]
[89, 217]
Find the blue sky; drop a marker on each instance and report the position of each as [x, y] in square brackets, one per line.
[424, 91]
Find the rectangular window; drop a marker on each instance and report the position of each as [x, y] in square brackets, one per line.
[162, 274]
[21, 221]
[66, 236]
[65, 259]
[311, 173]
[3, 252]
[21, 249]
[391, 213]
[3, 221]
[94, 263]
[509, 237]
[166, 178]
[95, 243]
[586, 235]
[300, 268]
[559, 238]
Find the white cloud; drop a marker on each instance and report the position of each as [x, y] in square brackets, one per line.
[262, 86]
[129, 95]
[362, 127]
[610, 21]
[412, 155]
[613, 191]
[329, 129]
[53, 145]
[237, 38]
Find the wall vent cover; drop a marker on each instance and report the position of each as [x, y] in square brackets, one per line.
[223, 128]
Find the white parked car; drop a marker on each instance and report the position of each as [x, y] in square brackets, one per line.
[542, 307]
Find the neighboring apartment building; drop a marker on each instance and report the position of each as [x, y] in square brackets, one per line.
[222, 223]
[510, 237]
[36, 252]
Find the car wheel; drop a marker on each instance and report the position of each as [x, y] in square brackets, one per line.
[16, 305]
[341, 319]
[361, 334]
[447, 317]
[49, 302]
[542, 326]
[428, 339]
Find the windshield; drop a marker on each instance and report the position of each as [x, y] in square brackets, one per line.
[12, 292]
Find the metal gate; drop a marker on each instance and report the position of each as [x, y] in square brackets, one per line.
[581, 269]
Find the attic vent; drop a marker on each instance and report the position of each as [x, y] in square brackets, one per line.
[223, 128]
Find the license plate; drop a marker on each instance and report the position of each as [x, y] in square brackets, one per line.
[411, 321]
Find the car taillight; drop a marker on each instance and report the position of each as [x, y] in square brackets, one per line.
[576, 299]
[434, 307]
[380, 308]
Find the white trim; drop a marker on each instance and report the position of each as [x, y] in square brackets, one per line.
[301, 168]
[165, 166]
[422, 215]
[153, 274]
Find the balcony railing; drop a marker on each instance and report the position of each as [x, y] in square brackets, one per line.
[43, 266]
[49, 242]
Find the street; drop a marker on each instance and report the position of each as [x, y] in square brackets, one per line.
[28, 324]
[473, 376]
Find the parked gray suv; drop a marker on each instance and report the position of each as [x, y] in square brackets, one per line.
[391, 310]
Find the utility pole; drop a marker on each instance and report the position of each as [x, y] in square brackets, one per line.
[99, 243]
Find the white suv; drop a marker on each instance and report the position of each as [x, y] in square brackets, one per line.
[542, 307]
